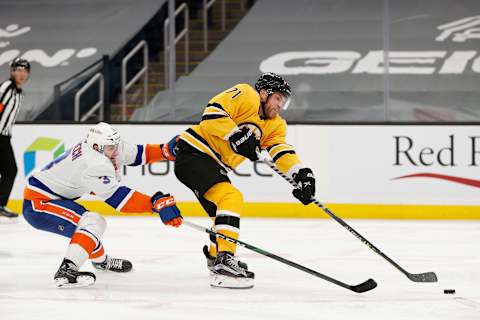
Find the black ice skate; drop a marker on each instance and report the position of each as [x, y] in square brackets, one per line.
[211, 260]
[7, 216]
[114, 265]
[227, 273]
[68, 276]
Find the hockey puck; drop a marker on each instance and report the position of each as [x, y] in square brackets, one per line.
[449, 291]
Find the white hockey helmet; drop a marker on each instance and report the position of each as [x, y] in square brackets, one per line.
[102, 134]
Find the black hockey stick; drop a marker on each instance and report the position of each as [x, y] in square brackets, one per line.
[359, 288]
[416, 277]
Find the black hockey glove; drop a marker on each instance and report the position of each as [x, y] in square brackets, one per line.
[245, 144]
[306, 185]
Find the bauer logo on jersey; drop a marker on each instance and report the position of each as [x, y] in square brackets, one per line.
[253, 128]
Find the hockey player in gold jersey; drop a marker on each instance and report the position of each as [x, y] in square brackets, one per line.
[235, 125]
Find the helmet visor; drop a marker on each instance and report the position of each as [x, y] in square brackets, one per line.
[286, 103]
[284, 100]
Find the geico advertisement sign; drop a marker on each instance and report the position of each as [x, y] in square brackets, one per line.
[405, 164]
[415, 62]
[372, 62]
[36, 146]
[60, 58]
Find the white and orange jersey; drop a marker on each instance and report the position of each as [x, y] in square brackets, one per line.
[82, 170]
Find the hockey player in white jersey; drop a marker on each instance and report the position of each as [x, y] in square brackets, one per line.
[92, 167]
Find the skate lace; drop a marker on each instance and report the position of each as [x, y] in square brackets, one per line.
[68, 270]
[113, 263]
[233, 263]
[69, 273]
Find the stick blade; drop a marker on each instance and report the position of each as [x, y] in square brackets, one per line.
[364, 287]
[423, 277]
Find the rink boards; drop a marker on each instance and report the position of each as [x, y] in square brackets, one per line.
[362, 171]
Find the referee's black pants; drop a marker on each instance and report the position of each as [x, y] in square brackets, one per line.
[8, 169]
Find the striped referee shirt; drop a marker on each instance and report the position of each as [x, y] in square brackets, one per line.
[11, 98]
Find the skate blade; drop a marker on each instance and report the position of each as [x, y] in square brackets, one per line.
[5, 220]
[113, 271]
[82, 281]
[211, 273]
[221, 281]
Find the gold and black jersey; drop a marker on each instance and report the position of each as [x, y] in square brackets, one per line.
[230, 110]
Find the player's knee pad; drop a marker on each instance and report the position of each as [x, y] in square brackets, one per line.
[226, 197]
[93, 222]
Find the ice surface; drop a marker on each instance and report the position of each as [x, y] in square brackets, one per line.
[170, 279]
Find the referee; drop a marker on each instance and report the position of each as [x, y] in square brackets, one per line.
[11, 98]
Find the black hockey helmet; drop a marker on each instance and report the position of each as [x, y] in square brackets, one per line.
[272, 82]
[20, 63]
